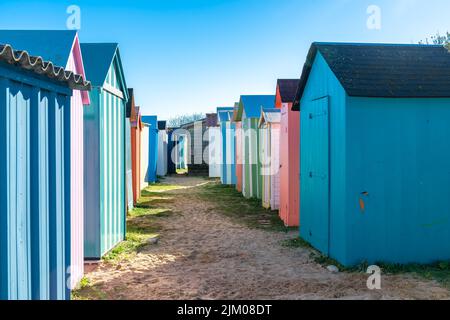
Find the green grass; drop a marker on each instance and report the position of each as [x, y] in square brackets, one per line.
[250, 212]
[142, 222]
[438, 271]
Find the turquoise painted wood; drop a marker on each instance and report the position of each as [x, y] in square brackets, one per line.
[315, 172]
[105, 156]
[35, 190]
[387, 187]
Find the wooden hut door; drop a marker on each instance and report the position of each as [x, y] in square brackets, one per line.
[315, 173]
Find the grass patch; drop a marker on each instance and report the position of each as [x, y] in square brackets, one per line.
[439, 272]
[142, 222]
[231, 203]
[296, 243]
[182, 171]
[86, 291]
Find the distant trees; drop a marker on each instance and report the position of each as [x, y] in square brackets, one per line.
[184, 119]
[438, 40]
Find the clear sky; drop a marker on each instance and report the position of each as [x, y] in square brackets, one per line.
[186, 56]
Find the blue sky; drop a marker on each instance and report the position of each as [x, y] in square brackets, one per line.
[186, 56]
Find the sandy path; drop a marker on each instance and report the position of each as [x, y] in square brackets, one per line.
[204, 255]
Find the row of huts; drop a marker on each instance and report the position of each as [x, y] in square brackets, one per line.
[74, 157]
[355, 153]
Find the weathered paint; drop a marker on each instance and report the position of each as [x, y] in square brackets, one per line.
[396, 170]
[152, 122]
[289, 166]
[105, 162]
[144, 155]
[35, 170]
[63, 48]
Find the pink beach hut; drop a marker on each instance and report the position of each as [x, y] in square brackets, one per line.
[289, 153]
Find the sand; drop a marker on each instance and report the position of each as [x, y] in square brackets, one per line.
[205, 255]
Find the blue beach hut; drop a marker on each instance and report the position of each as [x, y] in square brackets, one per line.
[375, 152]
[35, 170]
[227, 129]
[152, 122]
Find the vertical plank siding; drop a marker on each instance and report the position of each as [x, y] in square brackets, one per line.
[35, 167]
[105, 213]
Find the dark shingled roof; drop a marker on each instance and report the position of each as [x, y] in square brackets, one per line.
[130, 103]
[384, 70]
[288, 89]
[162, 125]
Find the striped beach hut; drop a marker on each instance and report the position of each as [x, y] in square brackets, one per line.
[130, 119]
[152, 123]
[238, 148]
[161, 168]
[63, 49]
[249, 113]
[104, 145]
[269, 125]
[227, 128]
[36, 174]
[289, 153]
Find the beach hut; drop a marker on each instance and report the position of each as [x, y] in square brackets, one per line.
[196, 143]
[36, 174]
[249, 113]
[182, 153]
[269, 125]
[136, 130]
[171, 147]
[227, 128]
[289, 152]
[161, 168]
[238, 148]
[63, 49]
[152, 122]
[145, 134]
[375, 155]
[104, 145]
[215, 152]
[130, 120]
